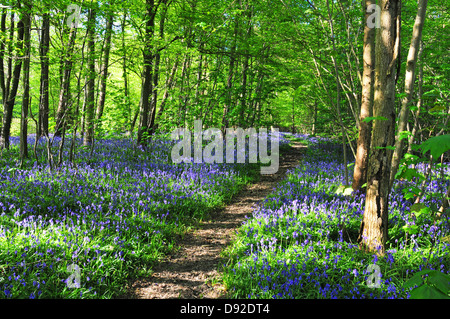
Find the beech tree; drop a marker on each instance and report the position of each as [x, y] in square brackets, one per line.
[12, 79]
[409, 87]
[374, 227]
[365, 127]
[90, 79]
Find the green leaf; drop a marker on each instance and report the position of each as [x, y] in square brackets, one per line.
[420, 209]
[411, 229]
[436, 145]
[410, 173]
[412, 190]
[411, 157]
[409, 195]
[427, 292]
[345, 190]
[437, 108]
[416, 279]
[404, 134]
[440, 280]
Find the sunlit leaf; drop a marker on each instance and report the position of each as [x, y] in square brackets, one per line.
[427, 292]
[436, 145]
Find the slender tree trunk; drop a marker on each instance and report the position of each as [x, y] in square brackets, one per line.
[156, 73]
[90, 84]
[245, 66]
[410, 78]
[228, 100]
[197, 88]
[169, 84]
[419, 103]
[365, 128]
[182, 120]
[147, 73]
[338, 103]
[104, 68]
[44, 88]
[2, 55]
[11, 90]
[212, 93]
[26, 82]
[374, 227]
[131, 122]
[314, 125]
[67, 62]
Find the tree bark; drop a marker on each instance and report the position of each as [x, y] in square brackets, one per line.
[365, 128]
[44, 86]
[169, 85]
[182, 120]
[156, 72]
[374, 227]
[419, 103]
[338, 103]
[104, 68]
[11, 88]
[65, 83]
[90, 80]
[2, 54]
[147, 73]
[410, 78]
[26, 82]
[228, 102]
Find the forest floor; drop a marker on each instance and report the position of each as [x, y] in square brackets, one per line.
[192, 271]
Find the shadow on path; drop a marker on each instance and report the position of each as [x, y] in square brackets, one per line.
[190, 272]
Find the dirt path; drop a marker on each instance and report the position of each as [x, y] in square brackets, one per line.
[190, 272]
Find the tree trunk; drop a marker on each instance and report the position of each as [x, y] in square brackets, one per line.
[410, 78]
[126, 102]
[169, 85]
[365, 128]
[104, 68]
[338, 103]
[44, 88]
[147, 76]
[314, 124]
[90, 80]
[2, 54]
[374, 227]
[11, 88]
[419, 103]
[183, 95]
[228, 102]
[156, 73]
[26, 82]
[245, 66]
[65, 83]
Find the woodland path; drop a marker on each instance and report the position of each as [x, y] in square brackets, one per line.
[190, 272]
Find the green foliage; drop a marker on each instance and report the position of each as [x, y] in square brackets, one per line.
[429, 284]
[436, 146]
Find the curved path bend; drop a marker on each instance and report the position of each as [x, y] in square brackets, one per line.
[190, 272]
